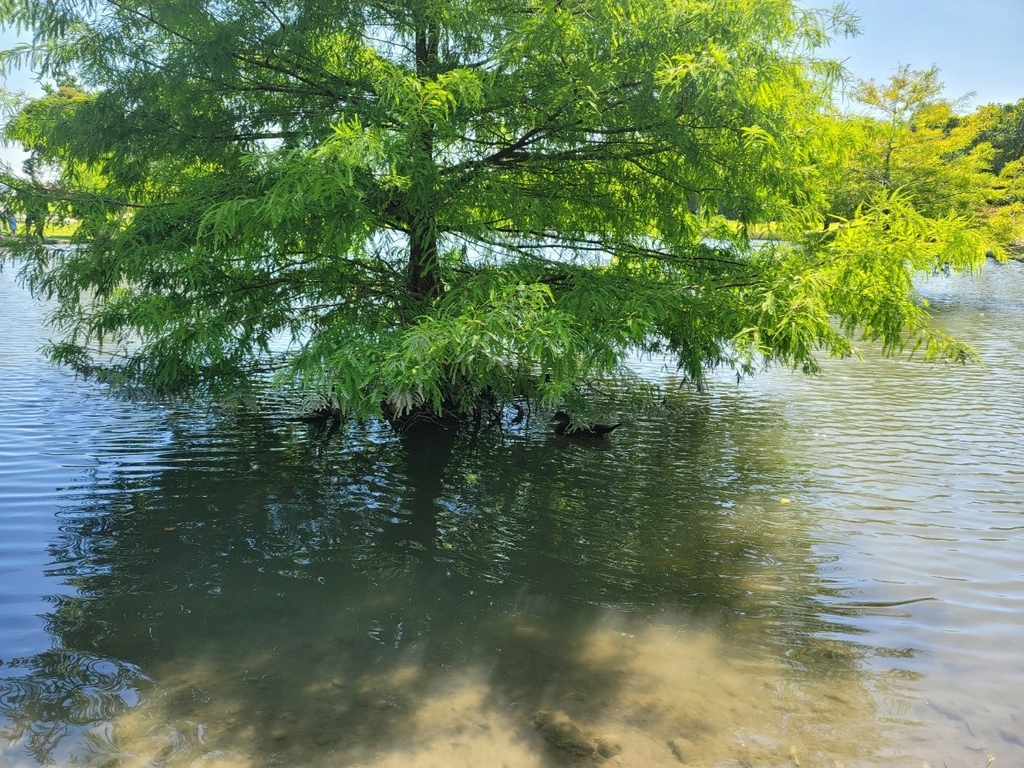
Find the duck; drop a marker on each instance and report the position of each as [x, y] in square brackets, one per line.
[565, 428]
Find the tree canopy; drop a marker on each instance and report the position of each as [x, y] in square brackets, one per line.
[913, 139]
[1005, 133]
[421, 205]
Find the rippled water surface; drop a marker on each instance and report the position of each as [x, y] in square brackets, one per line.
[782, 572]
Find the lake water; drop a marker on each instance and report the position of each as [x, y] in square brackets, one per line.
[785, 571]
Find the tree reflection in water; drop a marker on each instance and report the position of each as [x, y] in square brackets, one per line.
[259, 597]
[60, 693]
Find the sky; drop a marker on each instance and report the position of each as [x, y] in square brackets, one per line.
[976, 44]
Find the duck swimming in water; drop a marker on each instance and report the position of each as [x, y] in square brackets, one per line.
[565, 428]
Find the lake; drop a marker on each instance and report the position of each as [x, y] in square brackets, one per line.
[781, 571]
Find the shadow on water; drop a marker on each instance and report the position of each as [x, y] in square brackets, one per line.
[261, 597]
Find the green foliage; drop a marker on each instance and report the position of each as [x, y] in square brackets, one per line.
[914, 141]
[1005, 133]
[424, 202]
[1007, 217]
[46, 128]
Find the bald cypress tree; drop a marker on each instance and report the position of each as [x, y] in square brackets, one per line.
[414, 202]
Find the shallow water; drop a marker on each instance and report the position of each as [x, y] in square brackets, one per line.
[785, 571]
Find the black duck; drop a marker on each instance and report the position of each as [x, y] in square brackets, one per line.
[565, 428]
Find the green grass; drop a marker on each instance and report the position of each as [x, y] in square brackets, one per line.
[61, 229]
[55, 230]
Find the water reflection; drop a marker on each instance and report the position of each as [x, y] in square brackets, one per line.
[256, 594]
[59, 696]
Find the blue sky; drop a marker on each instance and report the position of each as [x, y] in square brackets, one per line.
[976, 44]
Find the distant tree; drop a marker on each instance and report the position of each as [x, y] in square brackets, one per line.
[1007, 214]
[428, 207]
[1005, 134]
[52, 175]
[913, 140]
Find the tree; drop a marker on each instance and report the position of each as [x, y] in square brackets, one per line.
[1007, 216]
[913, 140]
[425, 206]
[1005, 133]
[43, 127]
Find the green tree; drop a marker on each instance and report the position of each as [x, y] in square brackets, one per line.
[43, 128]
[1007, 214]
[1005, 133]
[429, 205]
[913, 140]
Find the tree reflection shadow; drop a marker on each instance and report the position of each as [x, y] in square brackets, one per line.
[58, 693]
[263, 598]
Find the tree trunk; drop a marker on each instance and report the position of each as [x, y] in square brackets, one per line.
[425, 283]
[424, 279]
